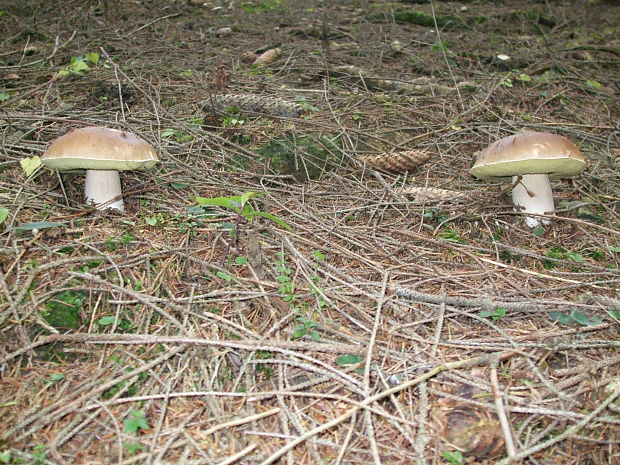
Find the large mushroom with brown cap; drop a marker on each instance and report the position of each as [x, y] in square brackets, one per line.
[531, 159]
[102, 152]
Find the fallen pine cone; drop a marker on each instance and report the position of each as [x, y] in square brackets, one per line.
[268, 57]
[471, 429]
[256, 104]
[422, 194]
[397, 161]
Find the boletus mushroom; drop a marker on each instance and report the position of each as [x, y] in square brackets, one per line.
[531, 159]
[102, 152]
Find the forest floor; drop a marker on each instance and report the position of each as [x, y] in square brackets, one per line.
[352, 312]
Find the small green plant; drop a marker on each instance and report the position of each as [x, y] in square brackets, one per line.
[179, 135]
[450, 235]
[439, 45]
[79, 64]
[233, 118]
[507, 82]
[453, 457]
[240, 204]
[124, 324]
[55, 378]
[134, 447]
[135, 421]
[436, 214]
[4, 96]
[559, 253]
[303, 102]
[494, 314]
[306, 328]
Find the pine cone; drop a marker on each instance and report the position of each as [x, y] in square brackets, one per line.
[422, 194]
[398, 161]
[473, 430]
[256, 104]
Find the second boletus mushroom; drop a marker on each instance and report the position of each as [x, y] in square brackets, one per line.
[530, 159]
[102, 152]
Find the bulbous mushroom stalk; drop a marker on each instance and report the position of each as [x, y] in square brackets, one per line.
[101, 187]
[531, 159]
[534, 195]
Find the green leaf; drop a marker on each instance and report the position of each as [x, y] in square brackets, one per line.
[241, 260]
[151, 220]
[539, 231]
[583, 320]
[612, 248]
[226, 202]
[92, 57]
[4, 96]
[574, 317]
[455, 457]
[135, 447]
[39, 226]
[614, 314]
[106, 320]
[320, 256]
[273, 218]
[246, 196]
[64, 72]
[524, 77]
[167, 132]
[561, 318]
[135, 421]
[5, 457]
[55, 377]
[179, 185]
[30, 165]
[592, 84]
[77, 65]
[578, 258]
[494, 314]
[349, 359]
[4, 212]
[224, 276]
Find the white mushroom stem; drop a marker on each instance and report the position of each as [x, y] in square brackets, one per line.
[534, 195]
[101, 187]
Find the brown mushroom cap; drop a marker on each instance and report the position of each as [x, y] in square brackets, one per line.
[529, 153]
[99, 148]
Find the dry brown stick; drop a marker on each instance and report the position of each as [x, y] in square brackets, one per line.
[242, 453]
[501, 412]
[136, 339]
[373, 337]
